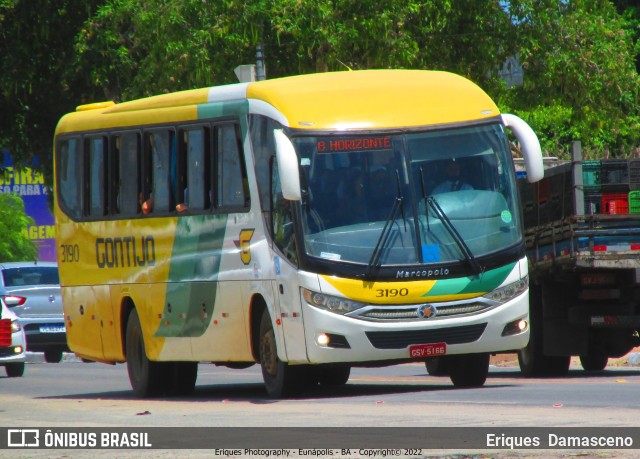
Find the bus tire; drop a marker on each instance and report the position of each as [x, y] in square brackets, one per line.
[469, 370]
[182, 378]
[594, 361]
[437, 366]
[14, 370]
[334, 375]
[147, 378]
[280, 379]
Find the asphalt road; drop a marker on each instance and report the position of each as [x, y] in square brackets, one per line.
[81, 395]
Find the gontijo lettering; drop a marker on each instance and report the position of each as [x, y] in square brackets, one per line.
[125, 252]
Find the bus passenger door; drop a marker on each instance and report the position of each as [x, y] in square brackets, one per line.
[286, 271]
[288, 294]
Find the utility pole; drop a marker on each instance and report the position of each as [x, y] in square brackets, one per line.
[261, 73]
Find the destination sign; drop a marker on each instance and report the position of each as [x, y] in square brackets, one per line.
[335, 145]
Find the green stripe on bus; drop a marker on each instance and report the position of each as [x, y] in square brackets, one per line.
[193, 276]
[482, 283]
[221, 109]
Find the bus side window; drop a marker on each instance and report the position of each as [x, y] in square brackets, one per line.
[231, 172]
[96, 176]
[196, 192]
[156, 190]
[69, 176]
[128, 176]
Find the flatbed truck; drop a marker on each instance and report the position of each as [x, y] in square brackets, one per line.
[582, 231]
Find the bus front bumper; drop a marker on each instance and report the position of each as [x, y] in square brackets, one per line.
[334, 338]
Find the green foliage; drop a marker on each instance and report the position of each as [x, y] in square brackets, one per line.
[37, 83]
[15, 245]
[580, 76]
[579, 56]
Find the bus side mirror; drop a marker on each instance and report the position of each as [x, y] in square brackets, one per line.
[287, 166]
[529, 144]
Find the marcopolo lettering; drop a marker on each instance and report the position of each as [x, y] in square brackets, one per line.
[125, 252]
[402, 274]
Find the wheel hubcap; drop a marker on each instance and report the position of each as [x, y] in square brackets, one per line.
[268, 356]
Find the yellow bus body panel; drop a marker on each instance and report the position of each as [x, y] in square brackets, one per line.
[374, 99]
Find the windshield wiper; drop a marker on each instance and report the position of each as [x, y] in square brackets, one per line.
[386, 235]
[451, 229]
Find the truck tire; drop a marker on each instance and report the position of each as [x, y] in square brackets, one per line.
[531, 359]
[594, 362]
[468, 370]
[280, 379]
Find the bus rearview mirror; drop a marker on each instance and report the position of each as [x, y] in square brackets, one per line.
[287, 166]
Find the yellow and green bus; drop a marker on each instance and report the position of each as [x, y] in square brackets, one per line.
[296, 223]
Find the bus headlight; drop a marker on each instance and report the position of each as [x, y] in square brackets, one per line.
[15, 326]
[330, 303]
[508, 292]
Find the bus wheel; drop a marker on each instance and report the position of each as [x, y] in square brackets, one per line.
[280, 379]
[146, 377]
[334, 375]
[437, 366]
[182, 377]
[594, 362]
[469, 370]
[14, 370]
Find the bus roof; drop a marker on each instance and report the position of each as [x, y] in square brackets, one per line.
[365, 99]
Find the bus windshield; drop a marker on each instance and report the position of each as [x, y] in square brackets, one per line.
[409, 198]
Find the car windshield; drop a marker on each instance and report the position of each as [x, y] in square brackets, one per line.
[453, 192]
[30, 275]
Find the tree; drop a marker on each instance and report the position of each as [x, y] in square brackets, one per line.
[38, 83]
[580, 77]
[579, 55]
[15, 245]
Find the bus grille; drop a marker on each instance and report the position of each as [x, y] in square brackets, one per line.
[404, 338]
[410, 312]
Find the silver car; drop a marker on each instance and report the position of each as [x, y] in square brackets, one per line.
[32, 291]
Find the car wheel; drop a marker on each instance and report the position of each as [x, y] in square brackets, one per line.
[14, 370]
[53, 356]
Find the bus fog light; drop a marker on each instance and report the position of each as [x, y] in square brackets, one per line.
[323, 339]
[18, 350]
[515, 327]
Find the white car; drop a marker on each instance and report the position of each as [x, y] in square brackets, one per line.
[12, 343]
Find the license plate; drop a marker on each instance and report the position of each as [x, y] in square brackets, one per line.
[427, 350]
[52, 329]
